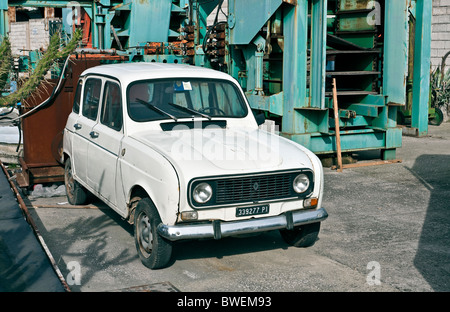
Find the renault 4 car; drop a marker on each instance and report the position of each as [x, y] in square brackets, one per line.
[176, 150]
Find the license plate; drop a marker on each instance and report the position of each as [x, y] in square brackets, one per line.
[251, 211]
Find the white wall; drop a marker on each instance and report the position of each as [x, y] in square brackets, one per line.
[31, 35]
[440, 32]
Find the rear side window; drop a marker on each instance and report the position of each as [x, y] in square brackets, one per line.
[91, 98]
[77, 99]
[112, 106]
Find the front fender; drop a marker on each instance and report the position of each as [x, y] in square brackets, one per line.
[144, 167]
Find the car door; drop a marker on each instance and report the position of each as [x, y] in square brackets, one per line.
[106, 137]
[82, 126]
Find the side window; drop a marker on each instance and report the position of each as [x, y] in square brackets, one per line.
[76, 100]
[112, 106]
[91, 98]
[226, 96]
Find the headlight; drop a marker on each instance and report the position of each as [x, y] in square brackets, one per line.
[301, 183]
[202, 193]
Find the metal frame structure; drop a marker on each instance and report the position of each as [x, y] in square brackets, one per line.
[284, 53]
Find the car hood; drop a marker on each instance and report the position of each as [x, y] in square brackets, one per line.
[206, 152]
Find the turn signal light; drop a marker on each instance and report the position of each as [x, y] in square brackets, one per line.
[311, 202]
[189, 215]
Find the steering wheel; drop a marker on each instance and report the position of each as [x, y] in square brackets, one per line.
[212, 108]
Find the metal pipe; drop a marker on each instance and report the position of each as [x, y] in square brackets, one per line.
[100, 36]
[259, 72]
[95, 51]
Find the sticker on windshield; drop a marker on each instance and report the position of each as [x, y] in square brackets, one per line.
[187, 86]
[184, 86]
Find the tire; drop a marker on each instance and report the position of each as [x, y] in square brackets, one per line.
[76, 193]
[302, 236]
[154, 251]
[438, 117]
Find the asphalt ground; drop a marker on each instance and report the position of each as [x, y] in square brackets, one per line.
[388, 230]
[24, 265]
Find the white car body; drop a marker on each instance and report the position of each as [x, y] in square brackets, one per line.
[113, 164]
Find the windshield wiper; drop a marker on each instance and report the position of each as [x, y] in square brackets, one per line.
[157, 109]
[186, 109]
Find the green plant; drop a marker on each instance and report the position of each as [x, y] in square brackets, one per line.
[5, 62]
[440, 88]
[37, 76]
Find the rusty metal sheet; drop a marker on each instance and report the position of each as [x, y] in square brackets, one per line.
[42, 130]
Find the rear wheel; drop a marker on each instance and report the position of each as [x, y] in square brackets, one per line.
[154, 251]
[437, 118]
[302, 236]
[76, 193]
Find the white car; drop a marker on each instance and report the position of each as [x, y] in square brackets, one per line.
[176, 150]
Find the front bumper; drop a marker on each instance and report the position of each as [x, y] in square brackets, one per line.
[218, 229]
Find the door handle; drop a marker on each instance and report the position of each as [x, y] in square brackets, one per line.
[77, 126]
[93, 134]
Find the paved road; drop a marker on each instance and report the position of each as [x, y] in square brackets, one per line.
[24, 266]
[387, 223]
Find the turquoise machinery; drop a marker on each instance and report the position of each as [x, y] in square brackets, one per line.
[285, 54]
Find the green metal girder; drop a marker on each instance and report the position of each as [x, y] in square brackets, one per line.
[351, 140]
[250, 16]
[273, 103]
[4, 25]
[365, 109]
[295, 27]
[421, 79]
[53, 4]
[318, 53]
[395, 52]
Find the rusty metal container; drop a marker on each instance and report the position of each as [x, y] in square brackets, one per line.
[43, 129]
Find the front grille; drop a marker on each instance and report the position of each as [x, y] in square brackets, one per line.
[251, 188]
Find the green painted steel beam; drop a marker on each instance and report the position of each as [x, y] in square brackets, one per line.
[295, 29]
[273, 103]
[249, 17]
[421, 80]
[4, 24]
[351, 140]
[53, 4]
[365, 109]
[318, 53]
[395, 52]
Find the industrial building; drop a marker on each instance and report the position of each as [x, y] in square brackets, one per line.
[285, 54]
[338, 77]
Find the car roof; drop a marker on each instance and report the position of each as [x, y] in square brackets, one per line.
[129, 72]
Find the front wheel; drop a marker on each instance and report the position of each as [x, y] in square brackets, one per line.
[302, 236]
[154, 251]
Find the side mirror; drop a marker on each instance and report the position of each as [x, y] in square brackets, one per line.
[260, 118]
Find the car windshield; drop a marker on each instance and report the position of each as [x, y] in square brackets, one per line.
[184, 98]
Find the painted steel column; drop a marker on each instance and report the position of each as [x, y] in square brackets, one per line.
[421, 81]
[3, 19]
[395, 52]
[318, 53]
[295, 30]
